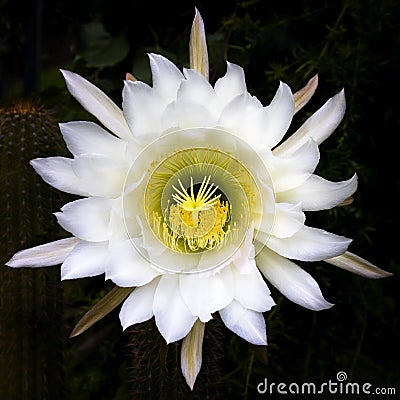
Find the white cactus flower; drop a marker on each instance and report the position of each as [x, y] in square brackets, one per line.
[192, 199]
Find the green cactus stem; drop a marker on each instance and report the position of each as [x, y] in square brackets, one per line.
[31, 331]
[155, 367]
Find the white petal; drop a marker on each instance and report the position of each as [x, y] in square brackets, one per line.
[205, 295]
[309, 244]
[143, 109]
[289, 219]
[317, 193]
[248, 324]
[289, 172]
[243, 117]
[138, 307]
[98, 104]
[173, 318]
[277, 116]
[86, 259]
[353, 263]
[244, 257]
[231, 85]
[196, 88]
[87, 219]
[100, 175]
[83, 137]
[126, 267]
[45, 255]
[187, 114]
[166, 76]
[58, 172]
[319, 126]
[251, 291]
[291, 280]
[85, 175]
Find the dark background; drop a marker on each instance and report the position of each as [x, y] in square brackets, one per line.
[352, 44]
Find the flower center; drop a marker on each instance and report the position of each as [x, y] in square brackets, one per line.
[187, 207]
[197, 221]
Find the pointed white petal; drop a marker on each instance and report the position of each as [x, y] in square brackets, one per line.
[196, 87]
[98, 104]
[317, 193]
[251, 291]
[127, 267]
[166, 77]
[83, 137]
[45, 255]
[86, 259]
[303, 96]
[58, 172]
[138, 307]
[243, 117]
[244, 257]
[290, 172]
[187, 114]
[248, 324]
[289, 219]
[353, 263]
[291, 280]
[191, 353]
[310, 244]
[319, 126]
[231, 85]
[198, 46]
[173, 318]
[87, 219]
[85, 175]
[277, 116]
[205, 295]
[100, 175]
[143, 109]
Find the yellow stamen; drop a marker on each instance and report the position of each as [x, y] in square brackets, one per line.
[196, 222]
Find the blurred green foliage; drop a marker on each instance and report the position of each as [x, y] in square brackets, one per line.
[350, 43]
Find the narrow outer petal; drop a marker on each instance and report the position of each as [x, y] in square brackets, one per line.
[98, 104]
[291, 280]
[303, 96]
[353, 263]
[44, 255]
[198, 46]
[191, 353]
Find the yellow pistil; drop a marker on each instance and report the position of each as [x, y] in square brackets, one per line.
[196, 222]
[204, 199]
